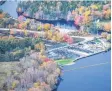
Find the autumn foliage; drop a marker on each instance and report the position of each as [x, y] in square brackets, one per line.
[2, 15]
[107, 27]
[46, 26]
[33, 75]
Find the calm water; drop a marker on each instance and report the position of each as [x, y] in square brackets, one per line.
[10, 7]
[95, 78]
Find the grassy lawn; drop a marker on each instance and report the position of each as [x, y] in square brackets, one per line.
[64, 61]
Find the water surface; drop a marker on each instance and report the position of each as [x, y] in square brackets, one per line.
[96, 78]
[10, 7]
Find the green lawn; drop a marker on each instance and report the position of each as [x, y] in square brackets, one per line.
[64, 61]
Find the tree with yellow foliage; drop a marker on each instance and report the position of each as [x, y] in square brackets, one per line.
[25, 32]
[87, 13]
[80, 9]
[36, 84]
[46, 26]
[49, 34]
[39, 28]
[57, 36]
[40, 46]
[54, 38]
[94, 7]
[109, 37]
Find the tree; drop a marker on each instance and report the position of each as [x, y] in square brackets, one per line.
[46, 26]
[1, 14]
[107, 27]
[104, 34]
[109, 37]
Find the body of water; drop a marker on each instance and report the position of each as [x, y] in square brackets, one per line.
[10, 7]
[94, 78]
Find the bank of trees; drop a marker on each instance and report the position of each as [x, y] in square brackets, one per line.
[60, 9]
[33, 75]
[11, 44]
[6, 21]
[12, 49]
[86, 15]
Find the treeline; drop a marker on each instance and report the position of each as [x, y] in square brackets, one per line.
[6, 20]
[14, 49]
[11, 44]
[14, 56]
[33, 75]
[54, 9]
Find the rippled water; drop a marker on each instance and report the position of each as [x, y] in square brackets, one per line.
[96, 78]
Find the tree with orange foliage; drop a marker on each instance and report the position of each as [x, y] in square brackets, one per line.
[49, 34]
[73, 12]
[97, 14]
[1, 14]
[107, 13]
[107, 27]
